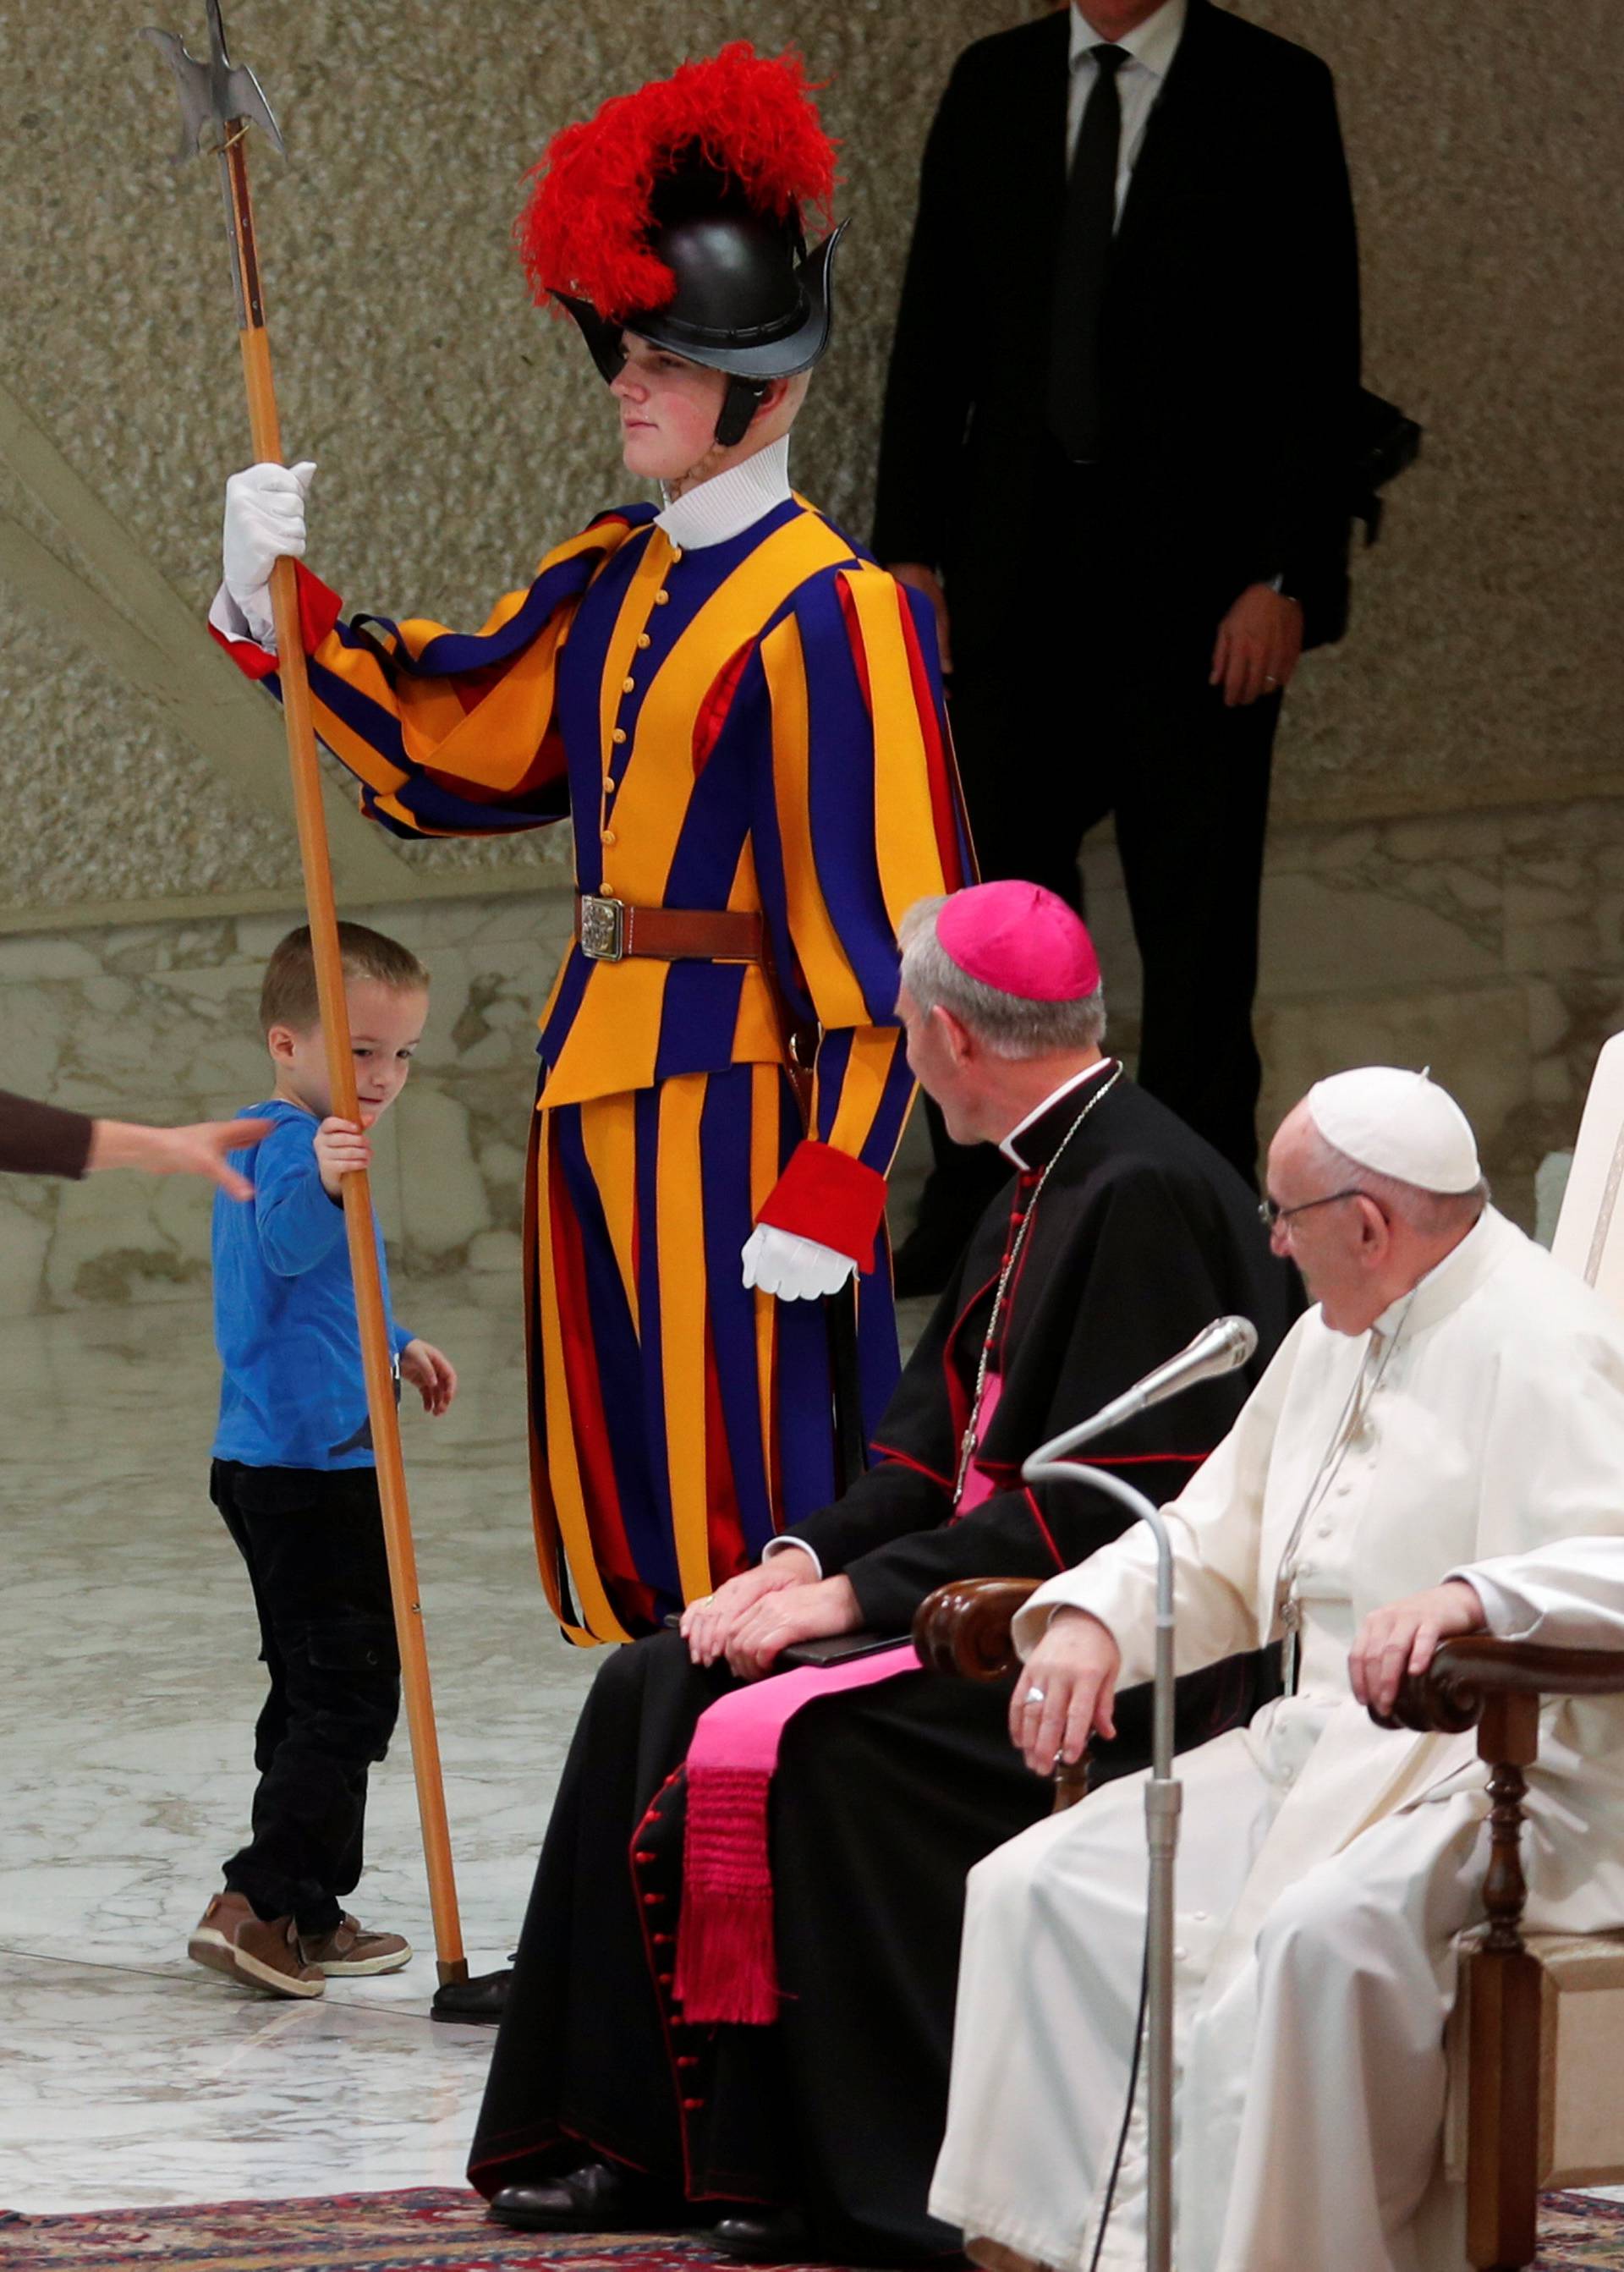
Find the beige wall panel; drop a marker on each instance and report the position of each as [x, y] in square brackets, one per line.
[458, 432]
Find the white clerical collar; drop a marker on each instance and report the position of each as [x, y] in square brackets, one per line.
[1090, 1073]
[1447, 1284]
[1152, 44]
[731, 502]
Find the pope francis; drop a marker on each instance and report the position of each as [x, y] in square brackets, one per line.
[1438, 1448]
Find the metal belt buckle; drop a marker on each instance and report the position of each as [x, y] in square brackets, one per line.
[602, 929]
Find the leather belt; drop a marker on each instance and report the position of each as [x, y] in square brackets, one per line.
[609, 931]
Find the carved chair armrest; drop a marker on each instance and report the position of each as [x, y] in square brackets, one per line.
[1466, 1675]
[964, 1628]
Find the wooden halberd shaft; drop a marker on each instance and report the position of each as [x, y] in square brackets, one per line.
[376, 1358]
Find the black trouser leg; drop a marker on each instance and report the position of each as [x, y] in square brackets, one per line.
[314, 1545]
[1192, 812]
[1034, 785]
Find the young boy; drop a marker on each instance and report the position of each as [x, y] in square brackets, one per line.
[294, 1478]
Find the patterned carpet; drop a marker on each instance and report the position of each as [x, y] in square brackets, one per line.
[438, 2231]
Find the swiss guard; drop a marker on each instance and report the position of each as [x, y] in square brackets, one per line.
[743, 716]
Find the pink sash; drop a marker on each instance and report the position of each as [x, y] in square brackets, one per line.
[726, 1971]
[725, 1965]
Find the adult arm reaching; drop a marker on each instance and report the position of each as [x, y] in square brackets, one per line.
[43, 1139]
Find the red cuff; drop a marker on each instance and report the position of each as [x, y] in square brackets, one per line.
[319, 609]
[827, 1195]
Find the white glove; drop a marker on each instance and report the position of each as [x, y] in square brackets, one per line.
[265, 521]
[796, 1269]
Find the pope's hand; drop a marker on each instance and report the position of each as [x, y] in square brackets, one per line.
[709, 1626]
[796, 1613]
[1065, 1691]
[796, 1269]
[265, 523]
[1403, 1638]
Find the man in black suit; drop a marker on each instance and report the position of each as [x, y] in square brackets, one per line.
[1115, 454]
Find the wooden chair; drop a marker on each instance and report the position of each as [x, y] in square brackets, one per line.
[1535, 2041]
[1538, 2027]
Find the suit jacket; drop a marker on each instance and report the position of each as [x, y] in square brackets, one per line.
[1230, 335]
[1142, 1236]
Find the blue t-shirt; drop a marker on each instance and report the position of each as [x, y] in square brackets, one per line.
[293, 1393]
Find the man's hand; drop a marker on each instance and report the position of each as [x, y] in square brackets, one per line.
[1065, 1691]
[431, 1374]
[1259, 645]
[1403, 1638]
[198, 1150]
[708, 1625]
[794, 1614]
[342, 1148]
[918, 577]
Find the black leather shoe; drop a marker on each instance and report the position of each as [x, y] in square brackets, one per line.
[594, 2199]
[476, 2003]
[777, 2235]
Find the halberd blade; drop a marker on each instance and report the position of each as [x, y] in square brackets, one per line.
[212, 95]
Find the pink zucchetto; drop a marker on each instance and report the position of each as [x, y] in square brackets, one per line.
[1021, 939]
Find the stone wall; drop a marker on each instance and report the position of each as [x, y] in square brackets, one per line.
[458, 431]
[1488, 946]
[1447, 875]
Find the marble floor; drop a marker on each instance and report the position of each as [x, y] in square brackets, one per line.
[127, 2077]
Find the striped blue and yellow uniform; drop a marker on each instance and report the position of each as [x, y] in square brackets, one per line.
[753, 725]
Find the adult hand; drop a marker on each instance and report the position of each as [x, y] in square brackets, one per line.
[265, 522]
[708, 1625]
[1065, 1691]
[1259, 645]
[794, 1614]
[197, 1150]
[342, 1149]
[918, 577]
[1403, 1637]
[431, 1374]
[796, 1269]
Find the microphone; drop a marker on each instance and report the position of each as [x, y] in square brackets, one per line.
[1218, 1348]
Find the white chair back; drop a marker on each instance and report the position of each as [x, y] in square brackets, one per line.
[1589, 1230]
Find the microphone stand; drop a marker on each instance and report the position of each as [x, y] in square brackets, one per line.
[1164, 1797]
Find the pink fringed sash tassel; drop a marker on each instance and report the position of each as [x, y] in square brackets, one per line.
[726, 1971]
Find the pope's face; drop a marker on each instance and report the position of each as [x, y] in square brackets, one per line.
[1341, 1244]
[668, 408]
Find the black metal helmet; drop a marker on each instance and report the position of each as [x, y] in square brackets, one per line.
[675, 214]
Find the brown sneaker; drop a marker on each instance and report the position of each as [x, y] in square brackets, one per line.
[230, 1938]
[349, 1952]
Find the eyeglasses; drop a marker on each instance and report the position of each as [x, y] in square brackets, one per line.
[1271, 1215]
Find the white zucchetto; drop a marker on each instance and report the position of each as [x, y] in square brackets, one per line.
[1397, 1122]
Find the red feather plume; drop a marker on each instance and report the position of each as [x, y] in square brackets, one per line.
[585, 227]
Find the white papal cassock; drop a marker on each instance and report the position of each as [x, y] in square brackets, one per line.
[1325, 1864]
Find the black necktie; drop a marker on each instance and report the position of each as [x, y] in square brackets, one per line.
[1075, 410]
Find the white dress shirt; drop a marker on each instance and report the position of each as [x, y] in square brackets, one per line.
[1151, 47]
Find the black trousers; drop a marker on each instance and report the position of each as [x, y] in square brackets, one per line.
[1093, 700]
[313, 1542]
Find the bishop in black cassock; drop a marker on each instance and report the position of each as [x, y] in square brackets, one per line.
[604, 2110]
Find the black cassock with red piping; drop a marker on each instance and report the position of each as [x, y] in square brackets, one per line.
[884, 1797]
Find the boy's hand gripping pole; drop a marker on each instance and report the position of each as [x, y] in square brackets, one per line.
[219, 100]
